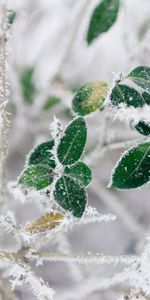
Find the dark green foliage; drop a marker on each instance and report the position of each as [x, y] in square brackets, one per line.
[141, 76]
[40, 172]
[90, 97]
[81, 172]
[27, 84]
[143, 127]
[71, 195]
[73, 142]
[11, 17]
[42, 154]
[124, 94]
[36, 176]
[50, 102]
[103, 17]
[133, 169]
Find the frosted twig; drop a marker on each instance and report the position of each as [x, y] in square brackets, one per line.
[99, 219]
[22, 273]
[56, 131]
[4, 123]
[87, 258]
[81, 258]
[8, 223]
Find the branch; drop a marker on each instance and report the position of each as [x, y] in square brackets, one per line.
[81, 258]
[97, 259]
[4, 123]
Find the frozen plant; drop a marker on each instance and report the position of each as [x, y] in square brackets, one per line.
[58, 175]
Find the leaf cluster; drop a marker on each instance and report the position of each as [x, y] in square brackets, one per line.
[71, 177]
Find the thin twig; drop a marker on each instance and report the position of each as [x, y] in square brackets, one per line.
[81, 258]
[4, 123]
[97, 259]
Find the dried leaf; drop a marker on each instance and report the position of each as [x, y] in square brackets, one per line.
[47, 222]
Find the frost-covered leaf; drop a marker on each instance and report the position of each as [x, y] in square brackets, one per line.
[47, 222]
[133, 169]
[23, 274]
[71, 195]
[141, 76]
[143, 127]
[42, 154]
[81, 172]
[50, 102]
[103, 17]
[36, 176]
[124, 94]
[73, 142]
[90, 97]
[27, 84]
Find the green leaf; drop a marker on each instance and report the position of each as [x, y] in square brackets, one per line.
[141, 76]
[71, 195]
[124, 94]
[146, 97]
[90, 97]
[50, 102]
[73, 142]
[27, 84]
[133, 169]
[11, 16]
[103, 17]
[81, 172]
[143, 127]
[36, 176]
[42, 154]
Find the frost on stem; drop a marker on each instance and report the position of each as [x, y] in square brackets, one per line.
[22, 274]
[8, 224]
[56, 131]
[4, 123]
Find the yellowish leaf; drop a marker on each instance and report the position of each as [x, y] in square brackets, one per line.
[47, 222]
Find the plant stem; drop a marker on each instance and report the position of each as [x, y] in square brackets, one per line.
[97, 259]
[81, 258]
[4, 123]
